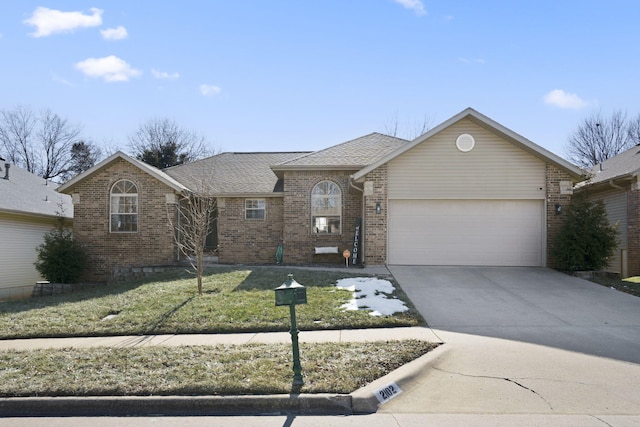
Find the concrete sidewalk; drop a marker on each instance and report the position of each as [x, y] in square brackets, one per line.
[351, 335]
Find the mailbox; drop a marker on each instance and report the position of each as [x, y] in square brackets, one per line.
[291, 293]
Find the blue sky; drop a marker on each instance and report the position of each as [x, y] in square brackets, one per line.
[257, 75]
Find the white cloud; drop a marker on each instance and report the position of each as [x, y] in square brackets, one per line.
[415, 5]
[562, 99]
[118, 33]
[209, 90]
[50, 21]
[110, 68]
[163, 75]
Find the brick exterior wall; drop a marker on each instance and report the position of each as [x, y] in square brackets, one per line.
[152, 244]
[298, 240]
[633, 232]
[243, 240]
[375, 225]
[554, 222]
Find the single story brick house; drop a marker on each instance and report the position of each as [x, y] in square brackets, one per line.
[615, 182]
[467, 192]
[29, 208]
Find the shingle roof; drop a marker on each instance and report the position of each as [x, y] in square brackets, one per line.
[233, 173]
[26, 193]
[355, 153]
[626, 163]
[68, 186]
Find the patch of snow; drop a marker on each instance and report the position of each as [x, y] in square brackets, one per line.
[370, 293]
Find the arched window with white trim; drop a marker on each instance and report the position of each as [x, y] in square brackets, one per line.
[123, 209]
[326, 208]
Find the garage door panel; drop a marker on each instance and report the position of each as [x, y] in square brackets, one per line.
[466, 232]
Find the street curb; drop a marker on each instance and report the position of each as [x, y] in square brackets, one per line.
[364, 400]
[307, 404]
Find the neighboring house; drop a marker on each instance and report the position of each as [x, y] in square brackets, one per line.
[615, 182]
[29, 208]
[468, 192]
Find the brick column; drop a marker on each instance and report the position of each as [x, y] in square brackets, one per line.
[554, 221]
[374, 224]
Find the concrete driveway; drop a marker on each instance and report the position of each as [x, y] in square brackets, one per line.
[535, 305]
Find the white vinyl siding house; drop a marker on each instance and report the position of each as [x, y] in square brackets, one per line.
[28, 210]
[615, 203]
[20, 237]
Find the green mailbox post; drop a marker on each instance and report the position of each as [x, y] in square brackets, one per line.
[291, 293]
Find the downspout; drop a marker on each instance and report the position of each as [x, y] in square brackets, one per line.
[616, 186]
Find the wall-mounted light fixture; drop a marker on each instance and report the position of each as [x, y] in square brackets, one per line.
[378, 208]
[558, 209]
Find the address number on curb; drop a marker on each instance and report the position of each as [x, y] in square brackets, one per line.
[387, 392]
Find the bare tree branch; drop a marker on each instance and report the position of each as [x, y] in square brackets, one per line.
[41, 144]
[193, 220]
[599, 138]
[162, 143]
[417, 128]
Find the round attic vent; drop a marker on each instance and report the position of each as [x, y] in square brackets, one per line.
[465, 142]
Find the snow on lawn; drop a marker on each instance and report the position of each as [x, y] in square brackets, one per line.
[370, 293]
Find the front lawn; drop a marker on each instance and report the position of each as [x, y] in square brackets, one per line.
[200, 370]
[235, 299]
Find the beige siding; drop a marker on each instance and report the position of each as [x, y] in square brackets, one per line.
[616, 206]
[18, 242]
[493, 169]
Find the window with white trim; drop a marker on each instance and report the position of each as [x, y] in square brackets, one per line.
[326, 208]
[123, 207]
[254, 209]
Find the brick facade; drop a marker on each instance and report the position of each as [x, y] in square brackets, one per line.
[243, 240]
[152, 244]
[375, 224]
[633, 232]
[298, 240]
[554, 221]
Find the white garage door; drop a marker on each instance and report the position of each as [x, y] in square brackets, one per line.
[466, 232]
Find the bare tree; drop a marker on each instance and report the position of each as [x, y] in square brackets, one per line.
[599, 138]
[162, 143]
[17, 134]
[41, 144]
[634, 130]
[414, 130]
[56, 136]
[194, 220]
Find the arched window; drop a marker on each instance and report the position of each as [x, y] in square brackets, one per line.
[326, 208]
[124, 207]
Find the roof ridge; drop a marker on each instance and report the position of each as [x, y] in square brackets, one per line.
[333, 147]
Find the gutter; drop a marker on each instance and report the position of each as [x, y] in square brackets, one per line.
[615, 185]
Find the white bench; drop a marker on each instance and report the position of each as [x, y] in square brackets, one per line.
[327, 254]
